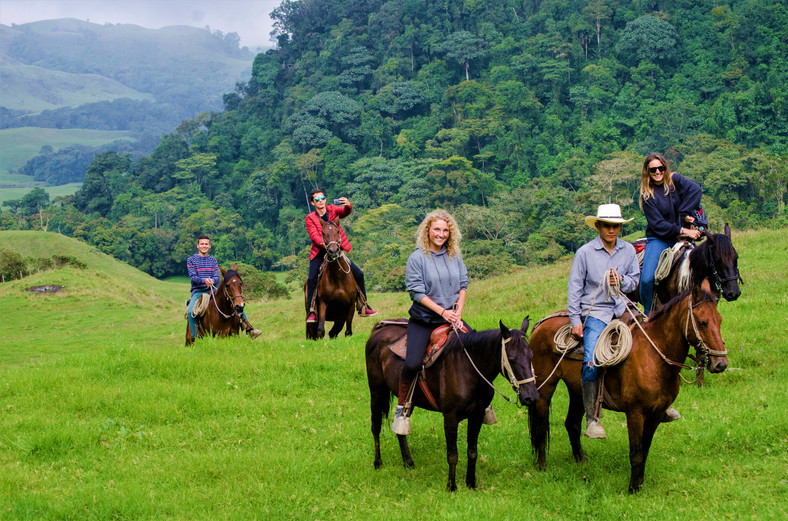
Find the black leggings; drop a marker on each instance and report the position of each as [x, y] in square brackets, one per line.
[418, 340]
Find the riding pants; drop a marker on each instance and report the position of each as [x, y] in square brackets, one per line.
[592, 329]
[418, 339]
[654, 248]
[314, 272]
[189, 317]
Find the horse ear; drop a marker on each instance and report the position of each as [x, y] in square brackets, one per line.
[235, 268]
[705, 285]
[525, 324]
[222, 270]
[336, 221]
[698, 290]
[504, 330]
[727, 231]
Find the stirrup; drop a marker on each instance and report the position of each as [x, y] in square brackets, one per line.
[489, 416]
[401, 423]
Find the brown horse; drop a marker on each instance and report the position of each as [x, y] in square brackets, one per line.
[458, 381]
[643, 386]
[715, 260]
[337, 292]
[223, 316]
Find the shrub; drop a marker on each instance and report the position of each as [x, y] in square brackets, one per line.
[11, 265]
[258, 284]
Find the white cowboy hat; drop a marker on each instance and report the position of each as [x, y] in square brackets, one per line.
[608, 213]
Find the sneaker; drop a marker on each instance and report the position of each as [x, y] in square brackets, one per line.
[489, 416]
[311, 319]
[368, 312]
[595, 430]
[671, 415]
[401, 423]
[253, 332]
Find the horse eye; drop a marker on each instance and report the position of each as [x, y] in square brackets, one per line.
[703, 323]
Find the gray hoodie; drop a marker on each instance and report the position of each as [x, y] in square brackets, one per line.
[436, 276]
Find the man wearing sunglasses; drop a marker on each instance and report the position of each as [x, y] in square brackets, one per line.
[590, 309]
[328, 212]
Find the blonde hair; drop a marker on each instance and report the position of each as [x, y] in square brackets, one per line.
[646, 190]
[423, 233]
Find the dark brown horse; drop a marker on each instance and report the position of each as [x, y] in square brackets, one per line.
[643, 386]
[337, 292]
[458, 387]
[715, 260]
[223, 316]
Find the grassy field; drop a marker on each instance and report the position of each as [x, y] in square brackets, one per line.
[18, 145]
[106, 415]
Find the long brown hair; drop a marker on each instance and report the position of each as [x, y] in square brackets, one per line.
[646, 189]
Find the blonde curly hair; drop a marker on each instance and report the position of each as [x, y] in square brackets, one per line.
[423, 233]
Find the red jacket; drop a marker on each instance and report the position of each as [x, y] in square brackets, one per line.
[315, 229]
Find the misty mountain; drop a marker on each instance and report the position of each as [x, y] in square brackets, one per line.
[71, 74]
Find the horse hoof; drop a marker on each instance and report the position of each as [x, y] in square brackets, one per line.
[378, 464]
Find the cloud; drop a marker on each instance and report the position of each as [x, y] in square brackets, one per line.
[248, 18]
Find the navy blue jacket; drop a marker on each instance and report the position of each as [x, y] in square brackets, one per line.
[665, 213]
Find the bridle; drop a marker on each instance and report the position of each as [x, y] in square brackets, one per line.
[719, 281]
[229, 297]
[332, 257]
[704, 350]
[506, 368]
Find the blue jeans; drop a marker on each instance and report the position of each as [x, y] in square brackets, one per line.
[189, 317]
[654, 248]
[591, 330]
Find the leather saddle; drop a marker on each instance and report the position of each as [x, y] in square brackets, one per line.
[438, 340]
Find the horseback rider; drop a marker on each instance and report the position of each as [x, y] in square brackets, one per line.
[668, 201]
[204, 274]
[590, 309]
[329, 212]
[436, 279]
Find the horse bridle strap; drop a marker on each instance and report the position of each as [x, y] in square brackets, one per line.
[226, 294]
[508, 372]
[701, 344]
[718, 281]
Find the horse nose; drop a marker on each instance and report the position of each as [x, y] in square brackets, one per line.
[718, 366]
[732, 295]
[529, 397]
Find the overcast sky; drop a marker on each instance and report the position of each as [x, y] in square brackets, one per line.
[248, 18]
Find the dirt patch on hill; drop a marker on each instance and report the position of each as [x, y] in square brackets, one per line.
[45, 289]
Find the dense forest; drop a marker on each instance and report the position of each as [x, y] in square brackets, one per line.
[520, 116]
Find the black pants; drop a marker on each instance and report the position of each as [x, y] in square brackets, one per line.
[418, 340]
[314, 271]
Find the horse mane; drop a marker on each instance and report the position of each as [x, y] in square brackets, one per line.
[229, 274]
[705, 296]
[482, 342]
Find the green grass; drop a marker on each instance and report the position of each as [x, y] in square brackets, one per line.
[105, 415]
[19, 145]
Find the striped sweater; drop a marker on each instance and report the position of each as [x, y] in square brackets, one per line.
[201, 268]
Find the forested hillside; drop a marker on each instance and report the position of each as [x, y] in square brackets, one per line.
[519, 116]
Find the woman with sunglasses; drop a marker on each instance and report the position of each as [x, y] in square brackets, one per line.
[667, 199]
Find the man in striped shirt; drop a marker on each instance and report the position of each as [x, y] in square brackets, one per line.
[204, 273]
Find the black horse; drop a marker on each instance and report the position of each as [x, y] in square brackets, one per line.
[714, 259]
[458, 381]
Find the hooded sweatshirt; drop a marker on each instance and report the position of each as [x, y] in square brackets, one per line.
[437, 276]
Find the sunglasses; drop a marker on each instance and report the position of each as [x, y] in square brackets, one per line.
[655, 169]
[320, 198]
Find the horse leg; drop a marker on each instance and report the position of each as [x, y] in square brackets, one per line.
[336, 328]
[450, 424]
[404, 449]
[189, 339]
[349, 320]
[379, 404]
[574, 425]
[321, 319]
[641, 430]
[474, 426]
[539, 424]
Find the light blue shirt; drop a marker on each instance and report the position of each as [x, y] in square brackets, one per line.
[592, 261]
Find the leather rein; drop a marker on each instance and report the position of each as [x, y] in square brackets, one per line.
[229, 297]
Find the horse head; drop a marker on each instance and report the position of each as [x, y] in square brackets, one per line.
[332, 239]
[723, 265]
[233, 288]
[517, 361]
[702, 329]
